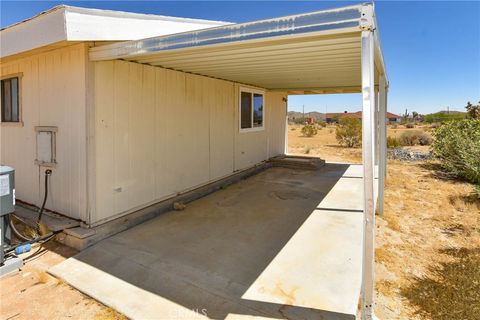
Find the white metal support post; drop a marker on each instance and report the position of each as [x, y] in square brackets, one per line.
[376, 124]
[368, 154]
[382, 143]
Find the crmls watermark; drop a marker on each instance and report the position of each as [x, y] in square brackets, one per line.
[187, 313]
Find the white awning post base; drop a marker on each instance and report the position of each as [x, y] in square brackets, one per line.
[368, 155]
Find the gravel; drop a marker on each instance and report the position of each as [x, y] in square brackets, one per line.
[408, 155]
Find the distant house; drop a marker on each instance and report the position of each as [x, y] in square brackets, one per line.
[393, 118]
[334, 117]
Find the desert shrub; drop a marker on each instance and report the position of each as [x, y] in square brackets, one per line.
[393, 142]
[349, 132]
[476, 191]
[322, 124]
[409, 125]
[442, 117]
[394, 126]
[457, 145]
[417, 137]
[424, 139]
[299, 121]
[309, 130]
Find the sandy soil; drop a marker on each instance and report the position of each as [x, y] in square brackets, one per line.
[428, 246]
[33, 294]
[323, 145]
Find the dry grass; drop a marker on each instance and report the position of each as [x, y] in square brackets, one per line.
[431, 231]
[43, 277]
[385, 287]
[42, 229]
[109, 314]
[450, 290]
[393, 223]
[323, 145]
[384, 255]
[428, 241]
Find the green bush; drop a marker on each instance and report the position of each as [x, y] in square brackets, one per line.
[442, 117]
[417, 137]
[309, 130]
[299, 120]
[349, 132]
[457, 145]
[393, 142]
[322, 123]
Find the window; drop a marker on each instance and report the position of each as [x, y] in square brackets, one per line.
[251, 110]
[10, 100]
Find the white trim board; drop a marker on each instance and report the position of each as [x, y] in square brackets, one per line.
[66, 23]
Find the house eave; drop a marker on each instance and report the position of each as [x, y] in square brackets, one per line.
[72, 24]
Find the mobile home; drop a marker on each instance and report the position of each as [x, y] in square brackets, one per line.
[128, 110]
[121, 135]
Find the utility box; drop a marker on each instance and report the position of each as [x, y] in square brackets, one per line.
[46, 146]
[7, 190]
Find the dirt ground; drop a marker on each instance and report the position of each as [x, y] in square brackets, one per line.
[427, 242]
[325, 146]
[428, 246]
[34, 294]
[428, 249]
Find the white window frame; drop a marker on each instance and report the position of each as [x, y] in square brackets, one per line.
[252, 91]
[18, 123]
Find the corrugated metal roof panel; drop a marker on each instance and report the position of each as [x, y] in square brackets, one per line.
[311, 51]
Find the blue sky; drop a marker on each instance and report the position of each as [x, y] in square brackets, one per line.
[432, 48]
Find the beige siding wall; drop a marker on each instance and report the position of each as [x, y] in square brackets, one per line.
[160, 132]
[52, 94]
[276, 122]
[254, 147]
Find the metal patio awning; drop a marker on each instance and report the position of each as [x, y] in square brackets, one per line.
[316, 52]
[330, 51]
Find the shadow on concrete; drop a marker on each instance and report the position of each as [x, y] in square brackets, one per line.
[208, 255]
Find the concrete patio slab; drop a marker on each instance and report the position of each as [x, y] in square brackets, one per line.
[265, 247]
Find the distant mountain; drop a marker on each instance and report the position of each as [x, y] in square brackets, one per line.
[298, 115]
